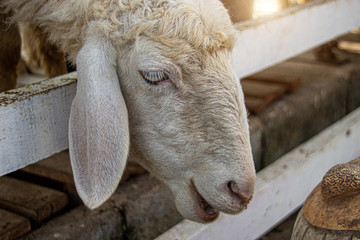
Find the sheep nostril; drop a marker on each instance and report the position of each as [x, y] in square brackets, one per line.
[233, 187]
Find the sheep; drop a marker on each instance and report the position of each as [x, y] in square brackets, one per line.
[40, 52]
[10, 43]
[156, 85]
[35, 44]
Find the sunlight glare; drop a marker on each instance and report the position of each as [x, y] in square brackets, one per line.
[265, 7]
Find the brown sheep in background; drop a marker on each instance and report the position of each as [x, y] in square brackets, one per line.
[39, 52]
[10, 47]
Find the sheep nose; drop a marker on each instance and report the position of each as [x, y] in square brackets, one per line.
[244, 194]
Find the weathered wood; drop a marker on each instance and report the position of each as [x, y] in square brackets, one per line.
[56, 167]
[350, 46]
[34, 121]
[272, 75]
[30, 200]
[255, 105]
[258, 94]
[266, 91]
[315, 57]
[12, 225]
[353, 36]
[239, 10]
[262, 88]
[267, 41]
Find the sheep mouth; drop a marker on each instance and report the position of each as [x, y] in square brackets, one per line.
[205, 211]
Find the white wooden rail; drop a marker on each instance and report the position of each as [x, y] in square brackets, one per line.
[34, 122]
[266, 41]
[281, 187]
[33, 119]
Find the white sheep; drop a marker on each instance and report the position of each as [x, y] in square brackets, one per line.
[156, 85]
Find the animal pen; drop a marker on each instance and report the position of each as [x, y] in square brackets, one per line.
[34, 120]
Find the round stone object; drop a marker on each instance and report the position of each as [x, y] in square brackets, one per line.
[332, 210]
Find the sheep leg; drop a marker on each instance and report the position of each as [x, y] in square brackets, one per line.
[10, 48]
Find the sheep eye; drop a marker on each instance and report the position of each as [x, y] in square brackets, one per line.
[154, 77]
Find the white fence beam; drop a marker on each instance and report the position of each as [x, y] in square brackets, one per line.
[34, 122]
[281, 187]
[267, 41]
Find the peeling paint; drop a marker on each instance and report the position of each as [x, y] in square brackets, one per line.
[43, 87]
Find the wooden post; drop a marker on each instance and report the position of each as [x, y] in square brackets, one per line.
[239, 10]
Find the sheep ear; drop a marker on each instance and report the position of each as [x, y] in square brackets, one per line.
[98, 127]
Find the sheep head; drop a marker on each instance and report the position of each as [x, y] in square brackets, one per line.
[156, 84]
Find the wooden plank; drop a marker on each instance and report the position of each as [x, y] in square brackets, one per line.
[34, 121]
[56, 167]
[333, 59]
[282, 186]
[266, 91]
[12, 225]
[258, 94]
[354, 36]
[267, 41]
[350, 46]
[262, 88]
[255, 105]
[273, 76]
[30, 200]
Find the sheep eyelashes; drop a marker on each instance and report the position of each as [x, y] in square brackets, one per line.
[154, 78]
[193, 136]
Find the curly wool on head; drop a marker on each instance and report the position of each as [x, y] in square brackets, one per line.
[163, 21]
[124, 20]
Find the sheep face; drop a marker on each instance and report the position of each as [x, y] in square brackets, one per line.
[188, 122]
[190, 129]
[187, 119]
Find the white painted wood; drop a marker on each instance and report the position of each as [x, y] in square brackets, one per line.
[34, 121]
[267, 41]
[281, 187]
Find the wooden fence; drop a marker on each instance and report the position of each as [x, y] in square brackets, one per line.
[34, 119]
